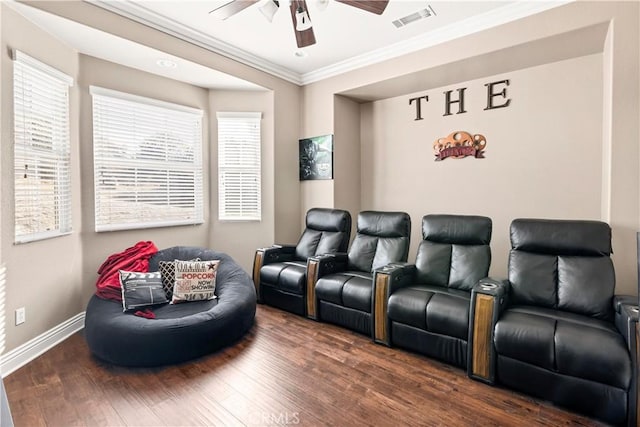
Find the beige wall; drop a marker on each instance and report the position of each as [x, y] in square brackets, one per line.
[343, 124]
[543, 153]
[578, 29]
[346, 157]
[317, 120]
[45, 277]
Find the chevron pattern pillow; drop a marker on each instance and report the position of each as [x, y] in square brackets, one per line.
[167, 270]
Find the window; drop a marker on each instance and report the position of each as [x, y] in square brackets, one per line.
[147, 162]
[42, 180]
[239, 166]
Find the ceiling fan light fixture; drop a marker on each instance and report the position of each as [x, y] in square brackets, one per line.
[303, 22]
[322, 4]
[269, 9]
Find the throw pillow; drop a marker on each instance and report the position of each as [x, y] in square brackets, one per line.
[195, 281]
[141, 289]
[167, 270]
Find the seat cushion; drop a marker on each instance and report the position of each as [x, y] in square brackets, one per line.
[432, 308]
[351, 289]
[564, 343]
[287, 276]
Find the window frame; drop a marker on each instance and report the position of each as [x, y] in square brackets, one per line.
[252, 215]
[187, 117]
[56, 156]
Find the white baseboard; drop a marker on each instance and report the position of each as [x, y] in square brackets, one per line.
[20, 356]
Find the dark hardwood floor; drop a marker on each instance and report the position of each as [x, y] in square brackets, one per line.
[287, 370]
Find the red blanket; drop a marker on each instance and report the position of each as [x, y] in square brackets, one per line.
[135, 258]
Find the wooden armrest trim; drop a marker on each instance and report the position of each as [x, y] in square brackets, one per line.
[312, 273]
[481, 363]
[257, 265]
[381, 334]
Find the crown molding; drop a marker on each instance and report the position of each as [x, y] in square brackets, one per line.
[138, 13]
[502, 15]
[474, 24]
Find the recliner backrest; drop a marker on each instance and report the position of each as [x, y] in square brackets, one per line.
[381, 238]
[327, 231]
[455, 250]
[562, 264]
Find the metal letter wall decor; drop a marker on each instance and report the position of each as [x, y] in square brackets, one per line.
[458, 145]
[493, 92]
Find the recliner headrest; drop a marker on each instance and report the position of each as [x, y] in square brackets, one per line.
[384, 224]
[328, 219]
[561, 237]
[457, 229]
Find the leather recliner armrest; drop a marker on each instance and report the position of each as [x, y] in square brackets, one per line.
[278, 253]
[626, 320]
[317, 267]
[268, 255]
[488, 300]
[620, 300]
[387, 280]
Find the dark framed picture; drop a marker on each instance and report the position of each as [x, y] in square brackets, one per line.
[316, 158]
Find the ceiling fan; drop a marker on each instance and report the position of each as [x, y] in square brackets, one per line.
[299, 13]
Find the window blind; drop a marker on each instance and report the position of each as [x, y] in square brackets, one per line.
[147, 162]
[42, 180]
[239, 188]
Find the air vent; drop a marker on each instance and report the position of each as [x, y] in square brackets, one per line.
[413, 17]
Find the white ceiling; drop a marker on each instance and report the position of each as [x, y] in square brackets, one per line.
[99, 44]
[347, 37]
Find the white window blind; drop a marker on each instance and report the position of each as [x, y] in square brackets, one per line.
[239, 189]
[147, 162]
[42, 180]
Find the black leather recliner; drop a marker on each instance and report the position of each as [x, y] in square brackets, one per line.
[554, 329]
[425, 307]
[279, 272]
[340, 285]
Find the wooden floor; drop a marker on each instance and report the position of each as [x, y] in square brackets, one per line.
[288, 370]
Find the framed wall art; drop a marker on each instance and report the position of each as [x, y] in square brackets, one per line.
[316, 157]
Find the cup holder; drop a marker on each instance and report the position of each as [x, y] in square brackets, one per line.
[488, 286]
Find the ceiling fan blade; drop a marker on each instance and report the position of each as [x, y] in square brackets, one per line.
[303, 38]
[231, 8]
[373, 6]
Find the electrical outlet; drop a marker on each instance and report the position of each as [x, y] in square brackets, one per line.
[20, 316]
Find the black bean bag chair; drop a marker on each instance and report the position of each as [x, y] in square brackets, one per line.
[179, 332]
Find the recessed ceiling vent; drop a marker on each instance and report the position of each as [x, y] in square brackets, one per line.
[415, 16]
